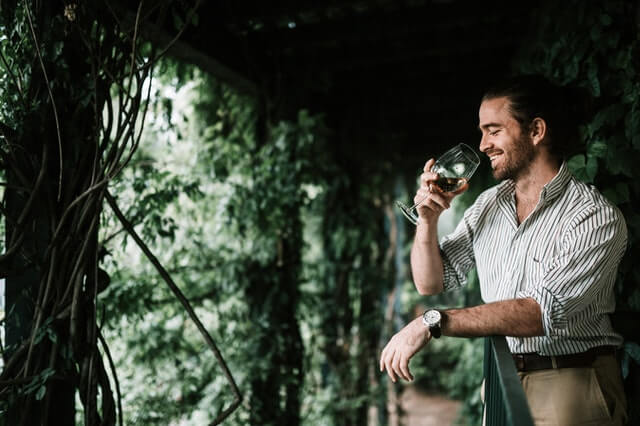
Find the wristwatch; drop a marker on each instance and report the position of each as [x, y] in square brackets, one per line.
[432, 318]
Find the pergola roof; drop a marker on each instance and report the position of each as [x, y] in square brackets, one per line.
[382, 70]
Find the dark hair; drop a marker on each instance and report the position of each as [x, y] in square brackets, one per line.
[563, 109]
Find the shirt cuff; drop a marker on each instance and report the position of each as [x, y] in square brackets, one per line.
[554, 318]
[452, 280]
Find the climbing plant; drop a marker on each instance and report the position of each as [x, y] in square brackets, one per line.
[596, 47]
[73, 99]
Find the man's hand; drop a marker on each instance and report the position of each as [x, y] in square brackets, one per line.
[402, 346]
[434, 200]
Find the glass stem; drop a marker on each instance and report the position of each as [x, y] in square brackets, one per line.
[415, 206]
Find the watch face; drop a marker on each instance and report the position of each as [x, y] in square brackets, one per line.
[432, 317]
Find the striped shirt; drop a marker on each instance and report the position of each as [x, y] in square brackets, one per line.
[564, 255]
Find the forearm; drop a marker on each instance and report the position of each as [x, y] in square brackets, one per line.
[515, 318]
[426, 262]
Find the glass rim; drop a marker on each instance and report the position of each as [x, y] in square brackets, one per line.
[466, 149]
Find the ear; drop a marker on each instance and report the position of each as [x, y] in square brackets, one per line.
[538, 130]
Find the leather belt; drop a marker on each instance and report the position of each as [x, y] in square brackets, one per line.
[533, 361]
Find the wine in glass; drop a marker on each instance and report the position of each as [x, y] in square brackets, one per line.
[454, 168]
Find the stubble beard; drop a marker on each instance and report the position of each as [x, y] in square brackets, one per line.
[517, 161]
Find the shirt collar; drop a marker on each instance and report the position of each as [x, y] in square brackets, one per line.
[550, 191]
[556, 186]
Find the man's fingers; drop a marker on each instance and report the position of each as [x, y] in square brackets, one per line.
[426, 178]
[391, 373]
[396, 365]
[437, 202]
[382, 358]
[429, 164]
[461, 189]
[404, 368]
[389, 367]
[433, 200]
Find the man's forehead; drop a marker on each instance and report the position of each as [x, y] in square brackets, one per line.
[497, 104]
[494, 110]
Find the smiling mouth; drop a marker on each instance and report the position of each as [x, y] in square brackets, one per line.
[493, 157]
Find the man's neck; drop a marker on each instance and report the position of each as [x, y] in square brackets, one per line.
[539, 173]
[529, 185]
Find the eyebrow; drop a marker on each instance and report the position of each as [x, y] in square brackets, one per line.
[486, 126]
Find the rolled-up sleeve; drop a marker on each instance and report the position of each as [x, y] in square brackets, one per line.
[456, 250]
[582, 275]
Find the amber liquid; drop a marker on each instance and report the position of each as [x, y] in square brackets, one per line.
[448, 184]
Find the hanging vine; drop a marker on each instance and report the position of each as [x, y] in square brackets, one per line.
[74, 84]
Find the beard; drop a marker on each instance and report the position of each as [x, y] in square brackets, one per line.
[517, 160]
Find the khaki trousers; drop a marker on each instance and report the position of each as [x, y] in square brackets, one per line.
[592, 396]
[577, 396]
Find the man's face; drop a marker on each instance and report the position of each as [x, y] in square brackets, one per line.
[509, 149]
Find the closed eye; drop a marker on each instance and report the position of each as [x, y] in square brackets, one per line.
[495, 132]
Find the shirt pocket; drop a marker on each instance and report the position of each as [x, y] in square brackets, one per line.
[535, 267]
[539, 262]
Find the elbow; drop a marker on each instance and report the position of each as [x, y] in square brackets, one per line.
[428, 289]
[425, 291]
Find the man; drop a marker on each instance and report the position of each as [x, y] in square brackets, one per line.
[546, 248]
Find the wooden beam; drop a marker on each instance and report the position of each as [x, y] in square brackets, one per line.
[199, 47]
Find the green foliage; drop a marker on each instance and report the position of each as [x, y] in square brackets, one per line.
[236, 221]
[596, 46]
[15, 45]
[346, 279]
[180, 208]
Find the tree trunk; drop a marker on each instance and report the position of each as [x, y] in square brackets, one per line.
[51, 276]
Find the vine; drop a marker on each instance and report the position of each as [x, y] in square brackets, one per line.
[74, 98]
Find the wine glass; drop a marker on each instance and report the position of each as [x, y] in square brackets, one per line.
[454, 168]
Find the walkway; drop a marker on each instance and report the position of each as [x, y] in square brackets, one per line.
[425, 409]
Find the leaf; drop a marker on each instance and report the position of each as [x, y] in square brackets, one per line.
[576, 162]
[597, 149]
[592, 77]
[582, 168]
[41, 391]
[591, 169]
[609, 115]
[633, 349]
[52, 335]
[178, 21]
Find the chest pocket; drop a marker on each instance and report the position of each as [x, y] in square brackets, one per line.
[534, 272]
[538, 263]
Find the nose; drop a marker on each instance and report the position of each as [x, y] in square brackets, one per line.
[484, 142]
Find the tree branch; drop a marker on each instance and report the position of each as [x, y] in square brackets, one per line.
[185, 303]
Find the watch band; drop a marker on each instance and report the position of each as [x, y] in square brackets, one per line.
[435, 331]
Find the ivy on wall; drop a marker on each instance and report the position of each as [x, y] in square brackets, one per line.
[595, 46]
